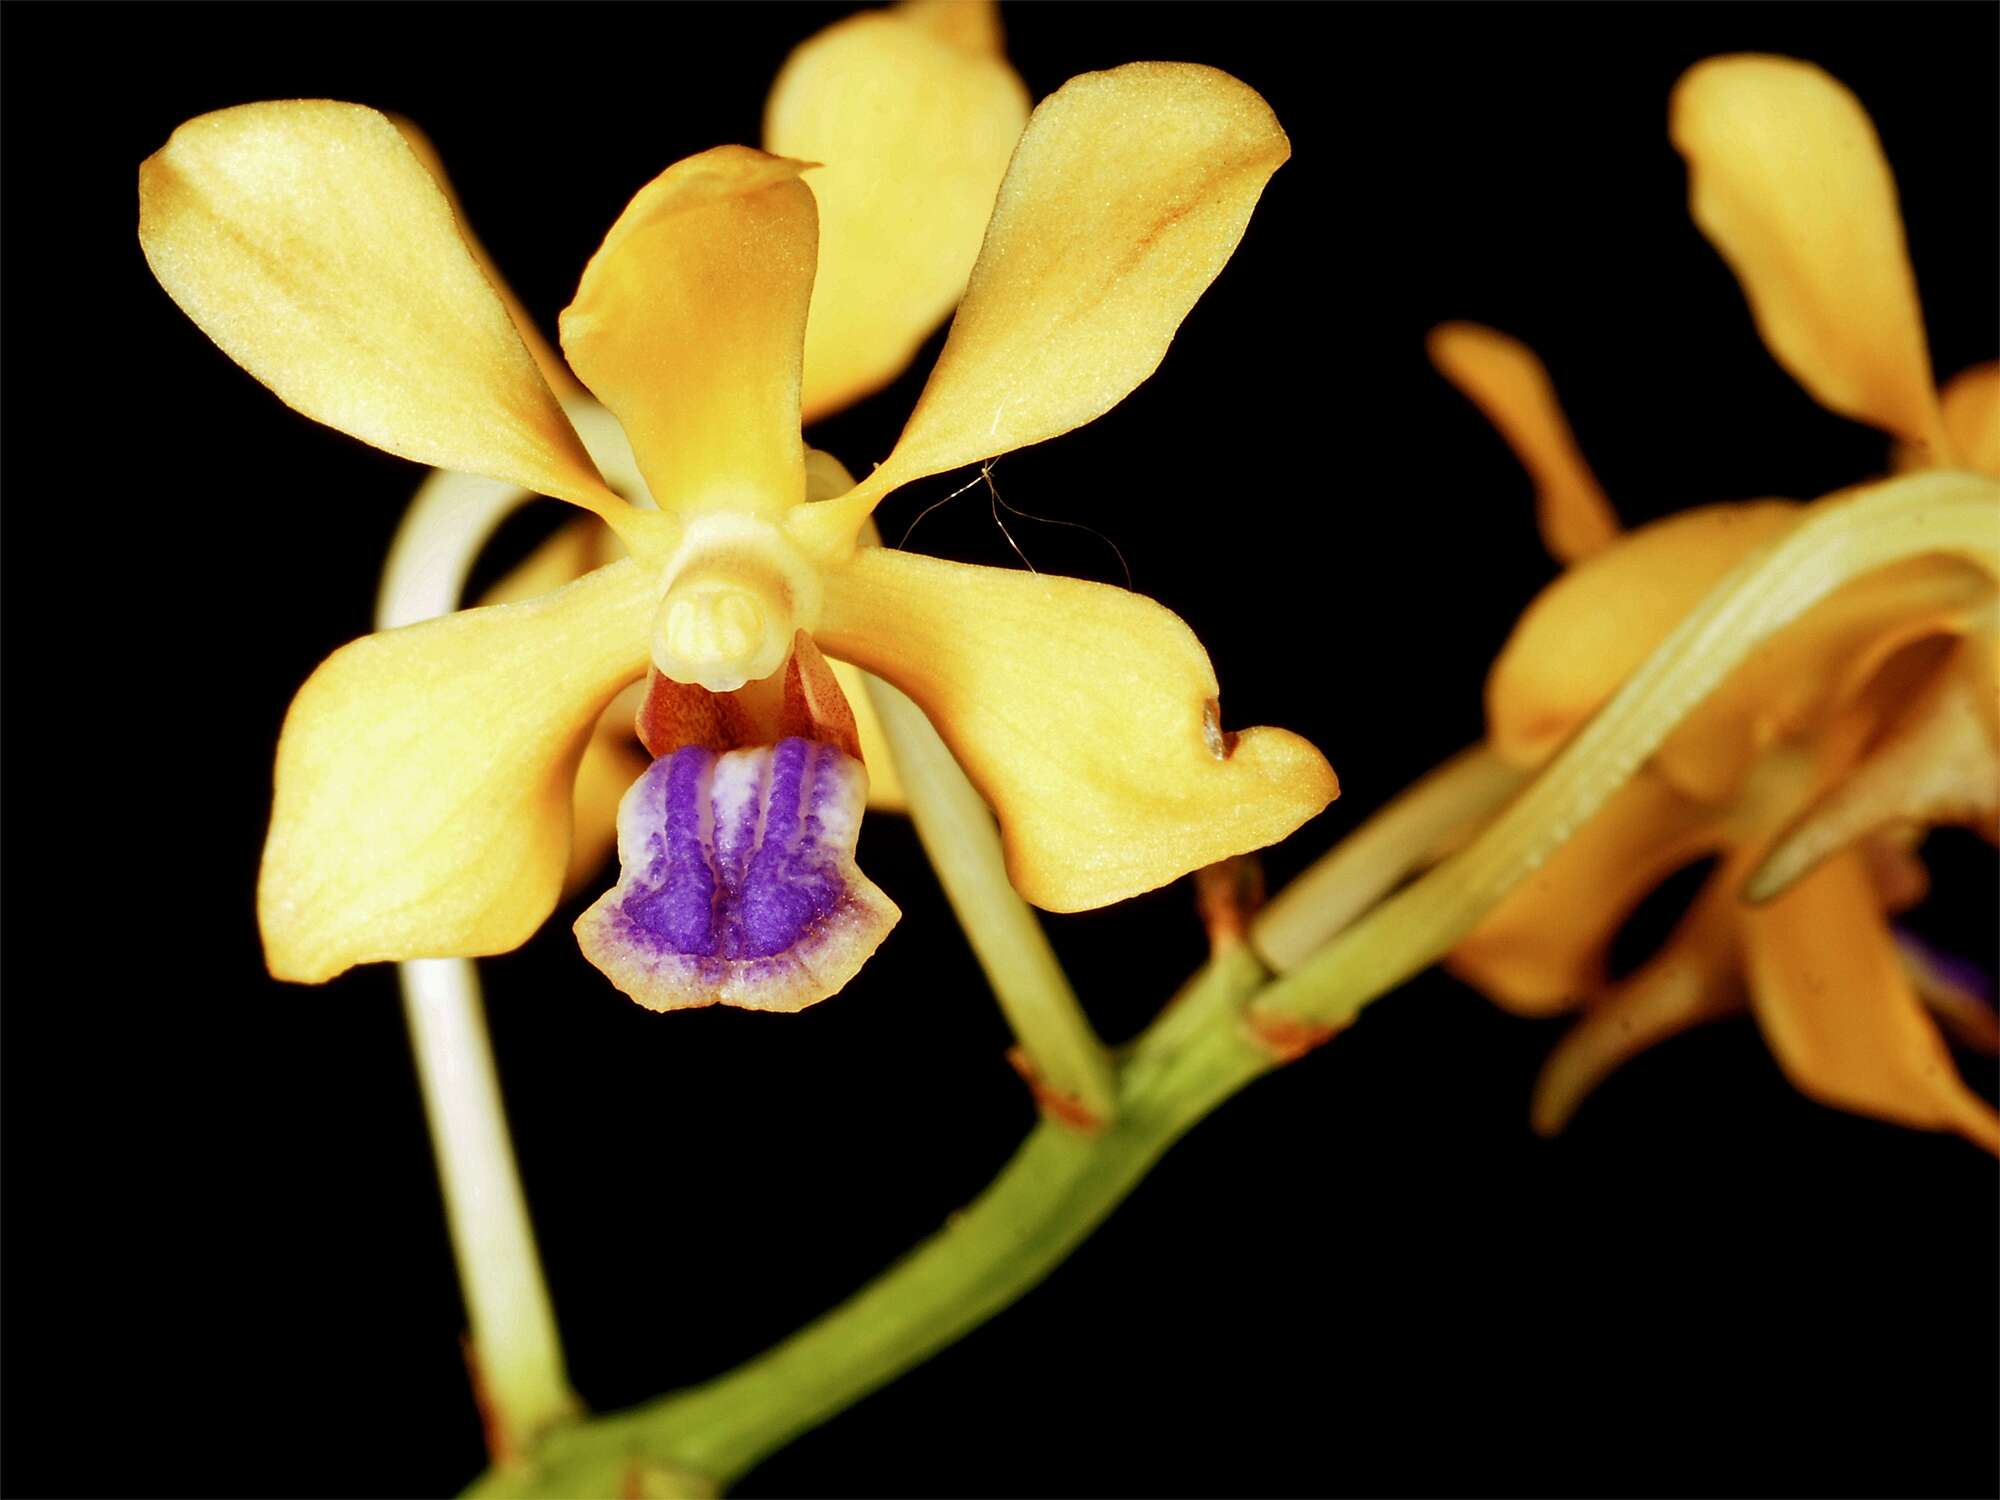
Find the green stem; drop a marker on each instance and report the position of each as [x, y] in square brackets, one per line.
[517, 1356]
[1055, 1191]
[959, 835]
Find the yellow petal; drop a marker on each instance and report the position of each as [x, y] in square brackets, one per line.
[1126, 195]
[913, 127]
[688, 325]
[1971, 403]
[1502, 377]
[424, 778]
[1542, 949]
[1788, 181]
[1841, 1015]
[307, 239]
[1085, 715]
[612, 757]
[885, 785]
[550, 363]
[1586, 632]
[1694, 978]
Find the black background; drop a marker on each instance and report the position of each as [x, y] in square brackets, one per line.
[226, 1268]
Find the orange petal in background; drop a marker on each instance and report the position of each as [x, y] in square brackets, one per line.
[1841, 1014]
[1502, 377]
[1586, 632]
[1787, 179]
[1971, 402]
[1541, 951]
[1696, 977]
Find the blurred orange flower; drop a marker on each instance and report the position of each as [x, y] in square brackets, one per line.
[1812, 772]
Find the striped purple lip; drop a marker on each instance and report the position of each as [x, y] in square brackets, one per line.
[737, 883]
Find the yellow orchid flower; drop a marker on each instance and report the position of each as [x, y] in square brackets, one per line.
[425, 773]
[1811, 771]
[913, 112]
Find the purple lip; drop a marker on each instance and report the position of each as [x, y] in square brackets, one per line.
[738, 884]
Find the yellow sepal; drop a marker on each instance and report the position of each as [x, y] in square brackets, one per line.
[1085, 715]
[424, 778]
[1126, 196]
[550, 363]
[309, 241]
[913, 129]
[688, 325]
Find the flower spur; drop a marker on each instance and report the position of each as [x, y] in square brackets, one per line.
[423, 781]
[1812, 769]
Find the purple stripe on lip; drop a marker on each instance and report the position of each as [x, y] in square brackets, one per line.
[738, 883]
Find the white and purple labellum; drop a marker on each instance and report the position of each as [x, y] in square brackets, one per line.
[737, 883]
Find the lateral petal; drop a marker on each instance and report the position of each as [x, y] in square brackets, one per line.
[1841, 1015]
[309, 241]
[1787, 179]
[913, 129]
[1541, 951]
[1084, 714]
[1503, 378]
[688, 325]
[424, 778]
[1125, 198]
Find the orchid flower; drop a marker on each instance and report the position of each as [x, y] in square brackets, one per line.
[1813, 769]
[424, 776]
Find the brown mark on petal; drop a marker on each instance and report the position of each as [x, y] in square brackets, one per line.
[1289, 1038]
[1065, 1109]
[1221, 742]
